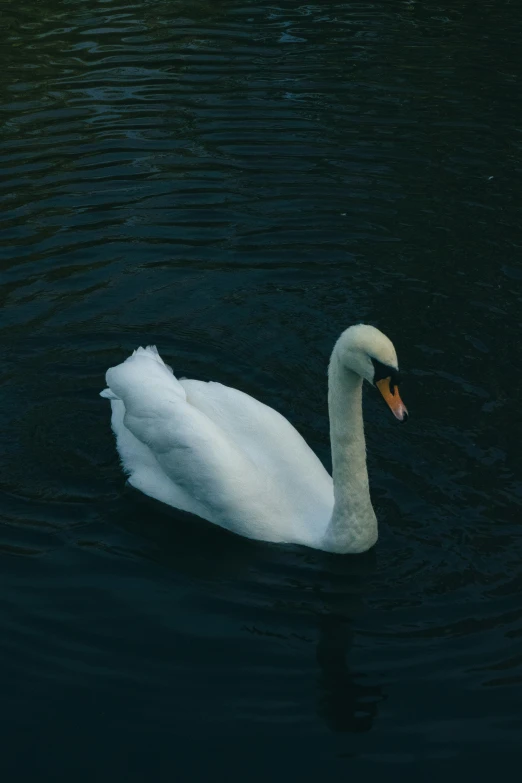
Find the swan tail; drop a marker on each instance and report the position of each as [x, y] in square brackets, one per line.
[141, 374]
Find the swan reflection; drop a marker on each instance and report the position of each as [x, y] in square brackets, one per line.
[287, 600]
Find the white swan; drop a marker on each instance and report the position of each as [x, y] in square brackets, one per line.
[219, 453]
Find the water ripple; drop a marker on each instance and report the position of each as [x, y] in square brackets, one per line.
[237, 182]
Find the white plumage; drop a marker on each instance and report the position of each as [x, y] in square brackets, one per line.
[218, 453]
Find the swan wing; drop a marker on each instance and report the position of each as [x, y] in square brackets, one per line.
[269, 441]
[213, 451]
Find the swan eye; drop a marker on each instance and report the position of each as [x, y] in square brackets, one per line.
[382, 371]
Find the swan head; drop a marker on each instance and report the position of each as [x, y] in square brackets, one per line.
[365, 350]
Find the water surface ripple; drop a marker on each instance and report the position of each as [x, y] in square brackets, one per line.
[237, 181]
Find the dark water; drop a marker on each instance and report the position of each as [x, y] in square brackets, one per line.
[237, 182]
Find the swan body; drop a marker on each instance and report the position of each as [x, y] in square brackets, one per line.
[217, 452]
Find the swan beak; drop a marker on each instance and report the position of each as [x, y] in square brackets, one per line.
[393, 399]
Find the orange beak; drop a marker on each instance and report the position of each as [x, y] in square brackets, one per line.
[393, 399]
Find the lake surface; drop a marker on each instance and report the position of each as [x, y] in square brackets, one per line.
[237, 182]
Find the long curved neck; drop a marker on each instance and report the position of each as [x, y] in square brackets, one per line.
[353, 525]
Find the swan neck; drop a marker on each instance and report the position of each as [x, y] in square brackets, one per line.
[353, 525]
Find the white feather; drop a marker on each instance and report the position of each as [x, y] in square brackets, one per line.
[223, 455]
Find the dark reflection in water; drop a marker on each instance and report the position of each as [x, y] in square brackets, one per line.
[238, 181]
[347, 705]
[320, 595]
